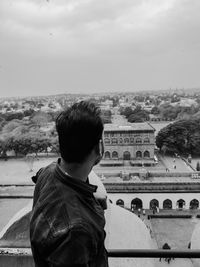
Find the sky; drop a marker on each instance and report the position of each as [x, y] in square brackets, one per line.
[91, 46]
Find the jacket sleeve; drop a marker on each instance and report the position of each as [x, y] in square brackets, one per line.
[76, 249]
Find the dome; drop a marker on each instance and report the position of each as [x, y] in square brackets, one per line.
[126, 231]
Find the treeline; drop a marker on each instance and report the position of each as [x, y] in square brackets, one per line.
[166, 112]
[182, 137]
[31, 134]
[175, 112]
[35, 135]
[29, 114]
[135, 115]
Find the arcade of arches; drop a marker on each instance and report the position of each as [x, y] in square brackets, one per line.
[167, 204]
[127, 155]
[162, 201]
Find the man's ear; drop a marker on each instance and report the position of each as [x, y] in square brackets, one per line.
[101, 148]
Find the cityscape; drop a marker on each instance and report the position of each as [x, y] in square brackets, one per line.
[138, 62]
[150, 168]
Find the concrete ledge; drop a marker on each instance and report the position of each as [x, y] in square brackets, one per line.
[16, 261]
[20, 257]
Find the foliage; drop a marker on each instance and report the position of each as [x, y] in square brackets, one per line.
[10, 126]
[135, 115]
[138, 115]
[180, 137]
[26, 137]
[40, 118]
[28, 112]
[126, 111]
[12, 116]
[27, 143]
[167, 111]
[106, 116]
[155, 110]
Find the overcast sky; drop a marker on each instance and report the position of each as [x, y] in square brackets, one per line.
[81, 46]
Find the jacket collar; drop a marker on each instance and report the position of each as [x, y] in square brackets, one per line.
[78, 185]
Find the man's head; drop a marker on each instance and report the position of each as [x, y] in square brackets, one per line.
[80, 130]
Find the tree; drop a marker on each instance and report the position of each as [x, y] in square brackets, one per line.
[135, 118]
[3, 148]
[10, 126]
[155, 110]
[12, 116]
[40, 119]
[169, 112]
[138, 115]
[126, 112]
[29, 112]
[180, 137]
[106, 116]
[55, 145]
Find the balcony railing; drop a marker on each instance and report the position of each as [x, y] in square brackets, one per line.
[153, 253]
[121, 253]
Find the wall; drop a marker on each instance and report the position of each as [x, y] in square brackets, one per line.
[16, 261]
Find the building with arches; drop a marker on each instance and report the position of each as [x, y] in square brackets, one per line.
[133, 143]
[177, 193]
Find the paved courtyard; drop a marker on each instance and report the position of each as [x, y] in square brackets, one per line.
[174, 164]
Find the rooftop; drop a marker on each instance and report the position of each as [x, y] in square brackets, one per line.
[143, 126]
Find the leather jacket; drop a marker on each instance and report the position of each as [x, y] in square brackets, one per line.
[67, 222]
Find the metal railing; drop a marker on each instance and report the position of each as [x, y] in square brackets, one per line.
[22, 257]
[153, 253]
[120, 253]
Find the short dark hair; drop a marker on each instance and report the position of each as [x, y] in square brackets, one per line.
[79, 128]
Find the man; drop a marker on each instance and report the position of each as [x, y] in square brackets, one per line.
[67, 222]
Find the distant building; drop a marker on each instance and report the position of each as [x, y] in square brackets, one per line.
[133, 143]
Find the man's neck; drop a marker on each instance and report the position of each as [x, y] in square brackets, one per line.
[76, 170]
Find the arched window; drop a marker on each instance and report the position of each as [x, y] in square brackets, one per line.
[180, 204]
[114, 141]
[107, 141]
[138, 154]
[121, 141]
[138, 141]
[167, 204]
[146, 140]
[136, 203]
[126, 155]
[194, 204]
[126, 140]
[107, 155]
[115, 155]
[146, 154]
[153, 204]
[120, 202]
